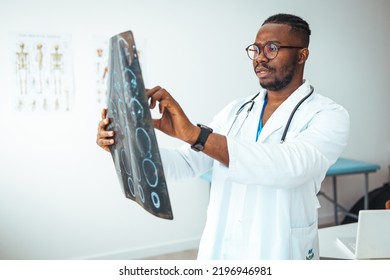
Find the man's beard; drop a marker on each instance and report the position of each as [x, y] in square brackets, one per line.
[279, 84]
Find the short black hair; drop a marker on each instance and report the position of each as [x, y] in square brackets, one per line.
[296, 23]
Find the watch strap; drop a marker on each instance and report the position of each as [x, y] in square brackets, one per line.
[202, 138]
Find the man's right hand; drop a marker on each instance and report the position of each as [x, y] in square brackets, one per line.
[104, 137]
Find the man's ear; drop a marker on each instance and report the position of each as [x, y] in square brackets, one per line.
[303, 55]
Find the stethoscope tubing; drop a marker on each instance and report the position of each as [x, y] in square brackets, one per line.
[252, 102]
[293, 113]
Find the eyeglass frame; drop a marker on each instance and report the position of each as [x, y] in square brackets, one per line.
[269, 43]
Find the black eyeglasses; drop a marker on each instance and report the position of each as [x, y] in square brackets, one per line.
[270, 50]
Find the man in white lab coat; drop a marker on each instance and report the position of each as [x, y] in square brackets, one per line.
[266, 173]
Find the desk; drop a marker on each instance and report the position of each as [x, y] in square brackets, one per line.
[329, 247]
[345, 166]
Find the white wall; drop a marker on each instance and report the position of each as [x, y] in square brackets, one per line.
[59, 194]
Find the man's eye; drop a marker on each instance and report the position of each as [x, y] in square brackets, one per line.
[253, 50]
[272, 48]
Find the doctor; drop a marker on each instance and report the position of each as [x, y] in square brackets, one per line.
[263, 202]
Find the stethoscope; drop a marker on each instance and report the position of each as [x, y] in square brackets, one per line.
[251, 103]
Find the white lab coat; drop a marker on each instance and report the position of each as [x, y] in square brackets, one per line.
[264, 205]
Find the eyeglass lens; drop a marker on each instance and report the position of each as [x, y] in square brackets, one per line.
[270, 51]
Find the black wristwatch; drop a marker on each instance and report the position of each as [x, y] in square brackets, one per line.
[202, 138]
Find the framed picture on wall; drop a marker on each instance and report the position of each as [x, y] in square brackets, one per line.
[43, 72]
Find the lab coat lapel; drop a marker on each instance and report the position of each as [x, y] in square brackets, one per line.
[250, 126]
[280, 117]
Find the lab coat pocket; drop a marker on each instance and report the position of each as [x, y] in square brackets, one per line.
[304, 243]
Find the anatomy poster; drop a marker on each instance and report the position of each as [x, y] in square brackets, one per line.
[101, 73]
[135, 152]
[43, 72]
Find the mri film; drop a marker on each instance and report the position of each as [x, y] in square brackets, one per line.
[135, 153]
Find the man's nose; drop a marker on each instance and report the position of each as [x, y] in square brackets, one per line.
[261, 57]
